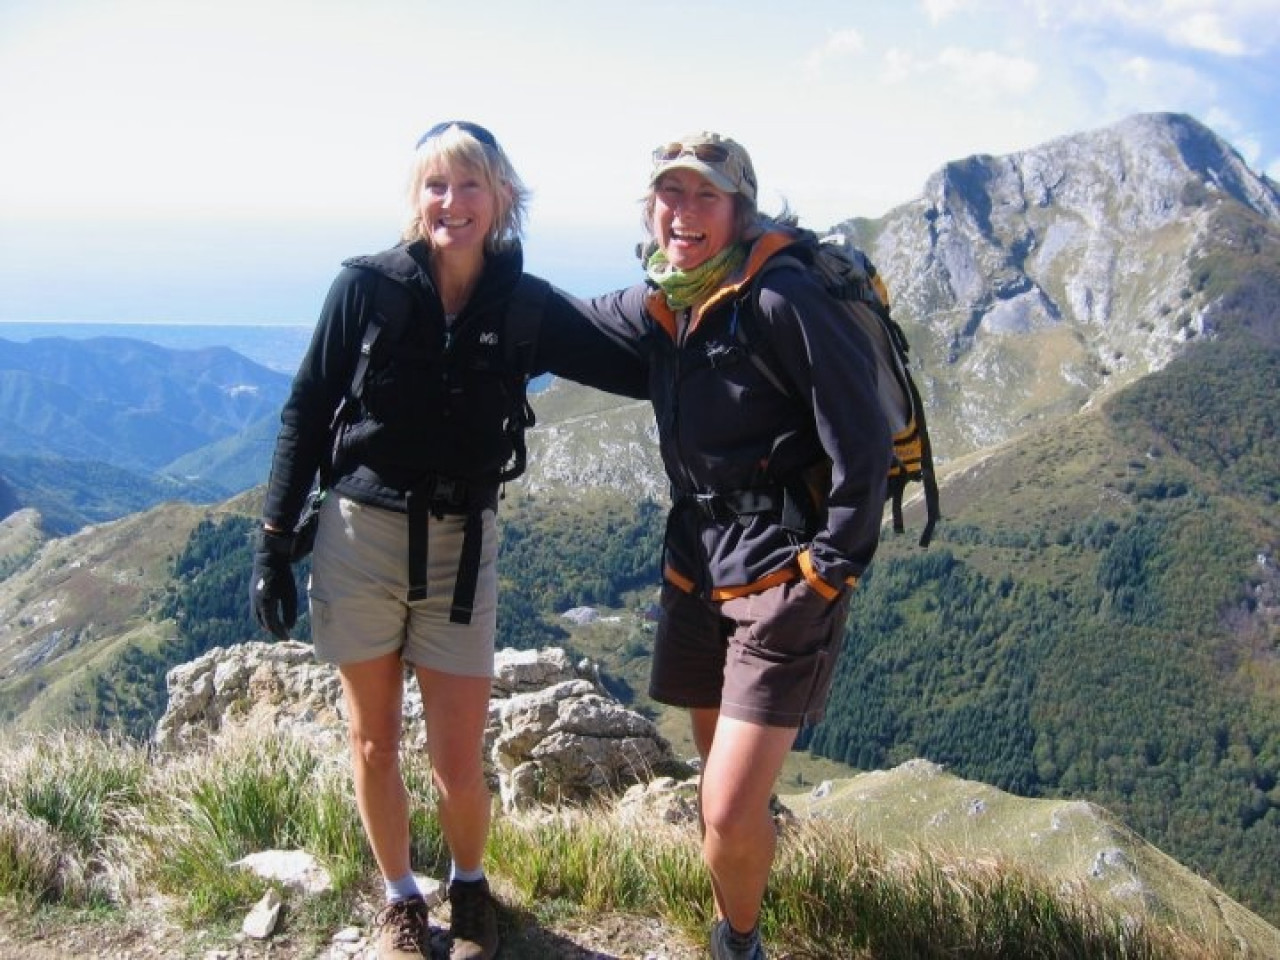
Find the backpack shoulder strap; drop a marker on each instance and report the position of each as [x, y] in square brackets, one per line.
[524, 318]
[523, 321]
[751, 301]
[392, 303]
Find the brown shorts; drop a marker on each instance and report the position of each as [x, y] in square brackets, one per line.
[767, 658]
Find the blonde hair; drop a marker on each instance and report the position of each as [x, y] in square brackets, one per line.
[452, 148]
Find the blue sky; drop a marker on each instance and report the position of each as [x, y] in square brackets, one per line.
[192, 161]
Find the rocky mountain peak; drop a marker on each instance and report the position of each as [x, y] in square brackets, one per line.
[1139, 173]
[1032, 283]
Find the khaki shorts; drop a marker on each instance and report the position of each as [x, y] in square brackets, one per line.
[360, 581]
[767, 658]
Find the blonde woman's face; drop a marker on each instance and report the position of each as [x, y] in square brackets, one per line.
[457, 208]
[693, 220]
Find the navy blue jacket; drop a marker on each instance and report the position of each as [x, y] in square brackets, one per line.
[725, 429]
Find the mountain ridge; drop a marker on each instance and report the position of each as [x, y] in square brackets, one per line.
[114, 405]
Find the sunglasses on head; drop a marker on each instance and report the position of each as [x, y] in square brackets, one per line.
[466, 126]
[706, 152]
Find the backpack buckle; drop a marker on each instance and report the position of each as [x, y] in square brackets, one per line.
[736, 506]
[711, 506]
[446, 493]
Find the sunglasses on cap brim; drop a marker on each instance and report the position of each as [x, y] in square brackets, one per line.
[706, 152]
[466, 126]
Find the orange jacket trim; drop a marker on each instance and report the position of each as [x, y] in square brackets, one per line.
[681, 582]
[811, 575]
[761, 250]
[785, 575]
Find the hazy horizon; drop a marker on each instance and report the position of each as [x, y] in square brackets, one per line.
[165, 164]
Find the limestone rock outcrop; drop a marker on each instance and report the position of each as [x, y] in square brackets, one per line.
[554, 735]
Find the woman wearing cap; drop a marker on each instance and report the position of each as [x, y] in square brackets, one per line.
[403, 569]
[776, 504]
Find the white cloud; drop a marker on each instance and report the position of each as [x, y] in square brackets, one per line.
[899, 66]
[1139, 69]
[988, 73]
[1205, 30]
[838, 46]
[939, 10]
[1227, 28]
[1125, 84]
[963, 73]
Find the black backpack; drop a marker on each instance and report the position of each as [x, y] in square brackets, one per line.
[851, 279]
[393, 310]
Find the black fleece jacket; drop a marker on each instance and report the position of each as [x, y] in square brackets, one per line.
[437, 408]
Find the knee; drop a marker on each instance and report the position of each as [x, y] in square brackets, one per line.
[375, 753]
[458, 772]
[730, 821]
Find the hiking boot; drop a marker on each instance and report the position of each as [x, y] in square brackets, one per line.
[402, 930]
[725, 943]
[473, 922]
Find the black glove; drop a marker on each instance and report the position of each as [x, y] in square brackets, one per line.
[273, 594]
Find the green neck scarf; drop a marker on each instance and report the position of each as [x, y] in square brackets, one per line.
[687, 288]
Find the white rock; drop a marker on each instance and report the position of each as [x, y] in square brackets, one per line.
[260, 923]
[293, 868]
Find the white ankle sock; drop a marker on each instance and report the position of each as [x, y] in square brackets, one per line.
[465, 876]
[402, 889]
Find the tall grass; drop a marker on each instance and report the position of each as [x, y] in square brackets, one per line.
[72, 812]
[265, 793]
[92, 821]
[831, 895]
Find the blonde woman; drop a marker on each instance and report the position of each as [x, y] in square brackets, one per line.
[403, 570]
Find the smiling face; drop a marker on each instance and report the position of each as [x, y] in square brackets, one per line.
[457, 208]
[693, 219]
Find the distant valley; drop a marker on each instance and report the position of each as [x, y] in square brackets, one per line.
[97, 428]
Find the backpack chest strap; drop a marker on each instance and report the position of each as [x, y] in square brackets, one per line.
[438, 497]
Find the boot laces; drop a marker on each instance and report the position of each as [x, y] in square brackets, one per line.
[404, 919]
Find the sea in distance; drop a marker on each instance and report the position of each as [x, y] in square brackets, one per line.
[277, 347]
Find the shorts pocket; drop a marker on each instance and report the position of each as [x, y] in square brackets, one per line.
[791, 620]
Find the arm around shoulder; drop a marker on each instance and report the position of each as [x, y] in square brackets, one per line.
[596, 342]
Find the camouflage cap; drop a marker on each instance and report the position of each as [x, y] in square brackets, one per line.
[723, 161]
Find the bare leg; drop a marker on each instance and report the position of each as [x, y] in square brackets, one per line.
[374, 694]
[703, 722]
[740, 769]
[456, 710]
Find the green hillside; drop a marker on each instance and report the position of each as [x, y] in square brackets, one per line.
[917, 806]
[1091, 622]
[1098, 620]
[70, 494]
